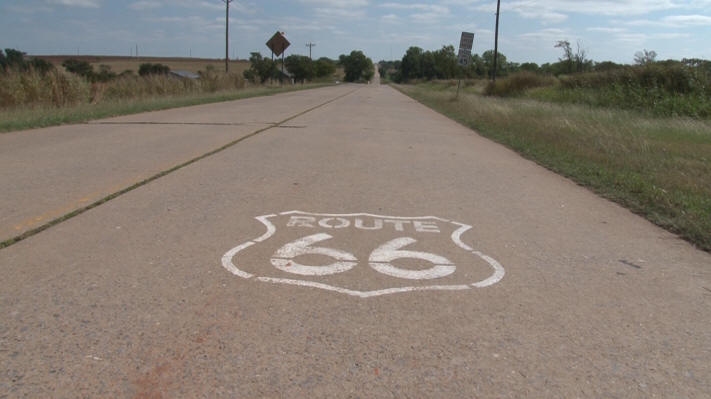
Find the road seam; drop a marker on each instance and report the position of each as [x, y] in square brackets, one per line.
[157, 176]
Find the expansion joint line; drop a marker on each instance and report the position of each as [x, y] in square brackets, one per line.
[157, 176]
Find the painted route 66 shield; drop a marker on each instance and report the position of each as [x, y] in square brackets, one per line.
[363, 255]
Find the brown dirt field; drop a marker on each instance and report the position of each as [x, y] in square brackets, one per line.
[119, 64]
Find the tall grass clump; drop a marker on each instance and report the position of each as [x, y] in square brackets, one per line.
[657, 167]
[659, 89]
[517, 84]
[36, 88]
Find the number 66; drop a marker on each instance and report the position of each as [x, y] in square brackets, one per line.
[380, 259]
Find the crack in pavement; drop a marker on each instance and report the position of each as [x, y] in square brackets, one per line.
[158, 175]
[178, 123]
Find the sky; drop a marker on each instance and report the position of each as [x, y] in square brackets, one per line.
[608, 30]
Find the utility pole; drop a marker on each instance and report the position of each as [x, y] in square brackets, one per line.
[227, 34]
[310, 45]
[496, 37]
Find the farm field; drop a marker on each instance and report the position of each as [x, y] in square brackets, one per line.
[119, 64]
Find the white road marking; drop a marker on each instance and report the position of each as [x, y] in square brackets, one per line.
[381, 257]
[363, 294]
[283, 258]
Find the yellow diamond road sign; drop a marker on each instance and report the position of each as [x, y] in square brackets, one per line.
[278, 43]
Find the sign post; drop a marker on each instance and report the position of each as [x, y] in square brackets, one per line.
[278, 44]
[465, 53]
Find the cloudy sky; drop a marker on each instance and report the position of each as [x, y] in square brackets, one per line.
[606, 29]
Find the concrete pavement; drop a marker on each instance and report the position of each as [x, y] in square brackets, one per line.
[369, 248]
[51, 172]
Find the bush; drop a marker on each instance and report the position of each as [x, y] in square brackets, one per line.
[53, 88]
[517, 84]
[153, 69]
[81, 68]
[261, 69]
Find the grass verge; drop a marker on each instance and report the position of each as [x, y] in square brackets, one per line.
[657, 167]
[13, 119]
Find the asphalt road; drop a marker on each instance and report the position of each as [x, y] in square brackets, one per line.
[359, 245]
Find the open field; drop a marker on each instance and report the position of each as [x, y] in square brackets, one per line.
[119, 64]
[657, 167]
[36, 117]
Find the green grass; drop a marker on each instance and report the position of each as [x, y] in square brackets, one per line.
[21, 118]
[657, 167]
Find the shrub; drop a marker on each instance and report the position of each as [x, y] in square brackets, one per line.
[517, 84]
[81, 68]
[32, 87]
[153, 69]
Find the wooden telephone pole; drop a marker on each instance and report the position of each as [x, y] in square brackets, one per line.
[227, 34]
[310, 46]
[496, 37]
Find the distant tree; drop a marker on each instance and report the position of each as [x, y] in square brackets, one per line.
[530, 67]
[606, 66]
[567, 58]
[324, 67]
[428, 66]
[411, 64]
[41, 66]
[77, 67]
[645, 57]
[501, 63]
[301, 67]
[573, 61]
[446, 64]
[15, 58]
[105, 74]
[148, 69]
[261, 69]
[478, 67]
[357, 66]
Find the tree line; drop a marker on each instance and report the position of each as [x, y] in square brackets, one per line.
[418, 64]
[356, 67]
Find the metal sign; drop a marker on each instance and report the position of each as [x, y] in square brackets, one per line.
[465, 57]
[467, 41]
[278, 43]
[465, 48]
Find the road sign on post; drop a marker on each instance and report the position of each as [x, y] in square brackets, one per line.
[465, 53]
[278, 43]
[465, 48]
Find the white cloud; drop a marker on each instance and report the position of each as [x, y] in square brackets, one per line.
[422, 13]
[337, 3]
[145, 5]
[687, 20]
[606, 30]
[77, 3]
[548, 35]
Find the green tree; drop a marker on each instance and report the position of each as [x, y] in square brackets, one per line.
[530, 67]
[77, 67]
[357, 66]
[153, 69]
[501, 63]
[300, 67]
[261, 69]
[645, 57]
[411, 64]
[324, 67]
[445, 63]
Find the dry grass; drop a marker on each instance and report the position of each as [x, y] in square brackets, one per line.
[120, 64]
[657, 167]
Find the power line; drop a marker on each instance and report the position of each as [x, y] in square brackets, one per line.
[227, 34]
[310, 46]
